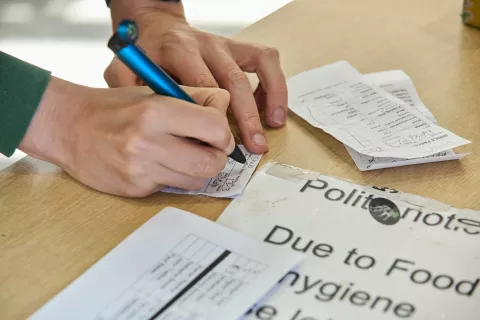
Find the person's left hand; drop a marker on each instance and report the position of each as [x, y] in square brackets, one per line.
[201, 59]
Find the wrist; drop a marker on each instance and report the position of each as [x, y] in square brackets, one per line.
[49, 132]
[130, 9]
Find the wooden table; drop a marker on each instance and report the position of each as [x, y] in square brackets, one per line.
[52, 228]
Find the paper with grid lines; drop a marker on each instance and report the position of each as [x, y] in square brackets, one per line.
[176, 266]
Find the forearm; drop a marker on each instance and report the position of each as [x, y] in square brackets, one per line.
[128, 9]
[49, 134]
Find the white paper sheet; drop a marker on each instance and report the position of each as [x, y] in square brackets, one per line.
[230, 182]
[413, 261]
[399, 84]
[175, 266]
[365, 163]
[365, 117]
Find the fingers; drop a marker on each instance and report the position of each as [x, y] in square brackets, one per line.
[155, 152]
[210, 97]
[260, 97]
[118, 75]
[243, 105]
[265, 62]
[167, 177]
[189, 158]
[187, 65]
[154, 157]
[157, 178]
[162, 115]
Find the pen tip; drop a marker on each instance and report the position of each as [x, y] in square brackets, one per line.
[238, 155]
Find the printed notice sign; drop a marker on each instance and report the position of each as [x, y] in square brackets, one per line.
[371, 253]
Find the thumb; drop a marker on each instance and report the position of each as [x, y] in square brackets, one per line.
[118, 75]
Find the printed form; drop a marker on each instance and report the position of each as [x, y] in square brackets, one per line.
[365, 117]
[399, 84]
[176, 266]
[230, 182]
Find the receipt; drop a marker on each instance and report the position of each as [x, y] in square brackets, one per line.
[365, 163]
[399, 84]
[230, 182]
[336, 99]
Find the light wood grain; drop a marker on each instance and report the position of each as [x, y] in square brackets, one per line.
[53, 228]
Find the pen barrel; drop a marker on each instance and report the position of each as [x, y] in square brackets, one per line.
[153, 76]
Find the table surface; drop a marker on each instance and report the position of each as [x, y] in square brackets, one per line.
[52, 228]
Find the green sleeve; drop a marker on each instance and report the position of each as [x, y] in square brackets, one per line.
[21, 88]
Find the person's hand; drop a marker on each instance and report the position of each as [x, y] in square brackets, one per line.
[129, 141]
[201, 59]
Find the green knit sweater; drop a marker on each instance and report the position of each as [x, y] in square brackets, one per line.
[21, 88]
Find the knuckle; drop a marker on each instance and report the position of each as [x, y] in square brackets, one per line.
[170, 44]
[168, 48]
[174, 41]
[205, 80]
[224, 94]
[133, 172]
[206, 165]
[147, 116]
[220, 130]
[108, 77]
[208, 38]
[175, 37]
[251, 117]
[220, 99]
[271, 52]
[279, 88]
[131, 147]
[134, 144]
[225, 135]
[210, 165]
[236, 76]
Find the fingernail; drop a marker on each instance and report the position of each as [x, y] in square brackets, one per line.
[231, 146]
[279, 116]
[259, 139]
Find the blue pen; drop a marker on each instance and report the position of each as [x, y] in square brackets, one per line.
[122, 43]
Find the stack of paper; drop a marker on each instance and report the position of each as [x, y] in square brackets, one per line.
[379, 117]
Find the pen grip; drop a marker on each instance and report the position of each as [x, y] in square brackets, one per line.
[153, 76]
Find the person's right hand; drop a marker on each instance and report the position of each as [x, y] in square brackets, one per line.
[129, 141]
